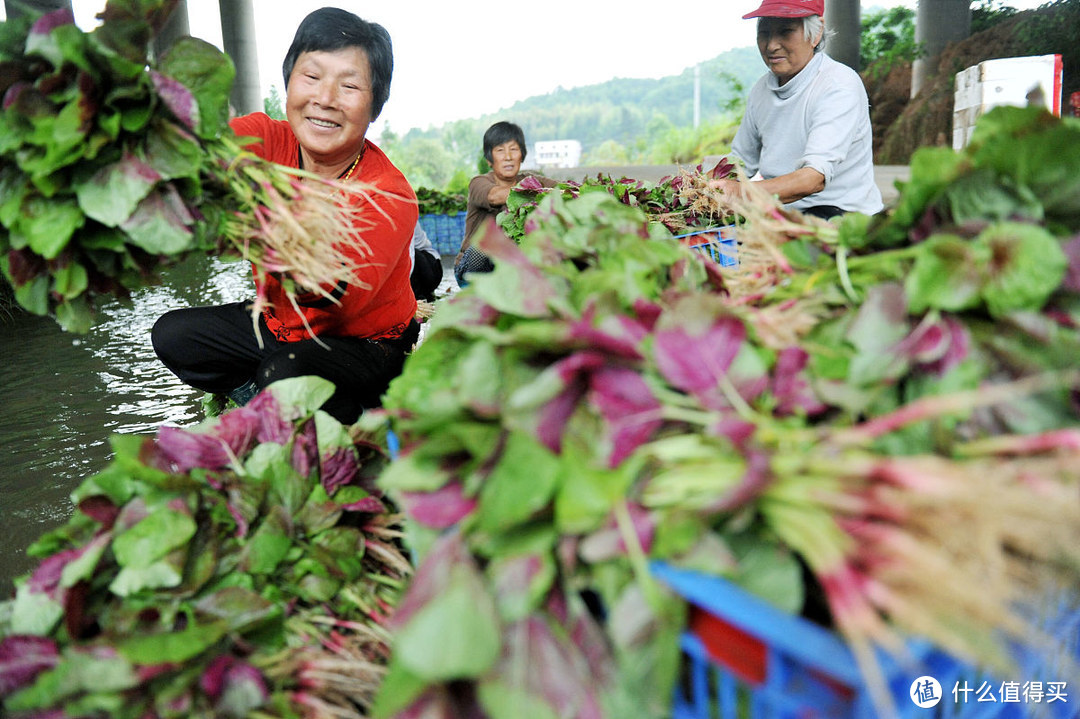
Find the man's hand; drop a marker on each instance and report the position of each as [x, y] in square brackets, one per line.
[728, 188]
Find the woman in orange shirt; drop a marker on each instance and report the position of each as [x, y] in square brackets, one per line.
[337, 78]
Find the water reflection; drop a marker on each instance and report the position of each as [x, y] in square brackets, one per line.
[65, 395]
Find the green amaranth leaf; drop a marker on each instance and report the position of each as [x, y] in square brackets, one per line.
[75, 315]
[521, 484]
[34, 295]
[1027, 266]
[34, 613]
[240, 607]
[179, 646]
[413, 473]
[503, 701]
[78, 672]
[461, 622]
[161, 224]
[162, 574]
[947, 274]
[301, 396]
[208, 74]
[111, 195]
[398, 690]
[165, 529]
[48, 224]
[269, 544]
[70, 281]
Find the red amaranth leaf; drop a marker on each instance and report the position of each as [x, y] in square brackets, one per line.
[186, 450]
[532, 184]
[723, 170]
[609, 543]
[496, 245]
[177, 98]
[614, 334]
[694, 362]
[628, 405]
[101, 509]
[272, 426]
[337, 469]
[11, 95]
[790, 387]
[957, 341]
[1072, 274]
[22, 658]
[52, 20]
[24, 265]
[305, 449]
[573, 372]
[367, 505]
[440, 509]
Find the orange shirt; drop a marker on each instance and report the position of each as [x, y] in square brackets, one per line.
[381, 304]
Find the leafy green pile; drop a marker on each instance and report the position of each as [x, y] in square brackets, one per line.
[676, 201]
[113, 163]
[240, 568]
[436, 202]
[844, 401]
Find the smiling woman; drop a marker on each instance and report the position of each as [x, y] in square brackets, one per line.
[356, 334]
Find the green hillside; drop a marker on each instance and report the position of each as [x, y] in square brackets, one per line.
[626, 119]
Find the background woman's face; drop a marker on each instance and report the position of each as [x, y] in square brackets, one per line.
[328, 103]
[506, 160]
[783, 46]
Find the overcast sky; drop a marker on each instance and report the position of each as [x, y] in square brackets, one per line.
[455, 60]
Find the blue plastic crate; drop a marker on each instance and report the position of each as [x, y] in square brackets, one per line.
[745, 659]
[719, 243]
[446, 232]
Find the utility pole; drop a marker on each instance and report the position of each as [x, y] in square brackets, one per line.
[238, 37]
[176, 27]
[844, 17]
[697, 96]
[937, 23]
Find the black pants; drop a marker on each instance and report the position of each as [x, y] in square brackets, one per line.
[215, 349]
[825, 212]
[426, 275]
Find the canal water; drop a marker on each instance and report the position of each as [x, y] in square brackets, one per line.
[64, 395]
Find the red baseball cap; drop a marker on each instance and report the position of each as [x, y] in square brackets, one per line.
[788, 8]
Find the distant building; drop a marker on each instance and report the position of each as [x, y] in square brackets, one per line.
[558, 153]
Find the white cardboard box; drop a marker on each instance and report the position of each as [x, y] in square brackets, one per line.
[1017, 81]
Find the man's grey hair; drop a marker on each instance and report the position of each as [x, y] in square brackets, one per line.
[814, 24]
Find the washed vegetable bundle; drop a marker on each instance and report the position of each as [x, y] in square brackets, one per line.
[240, 568]
[895, 416]
[114, 163]
[436, 202]
[680, 202]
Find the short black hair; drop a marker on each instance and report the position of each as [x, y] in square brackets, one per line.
[502, 132]
[330, 29]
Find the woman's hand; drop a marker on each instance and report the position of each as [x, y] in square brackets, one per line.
[498, 195]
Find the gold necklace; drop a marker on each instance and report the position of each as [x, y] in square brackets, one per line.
[352, 168]
[343, 176]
